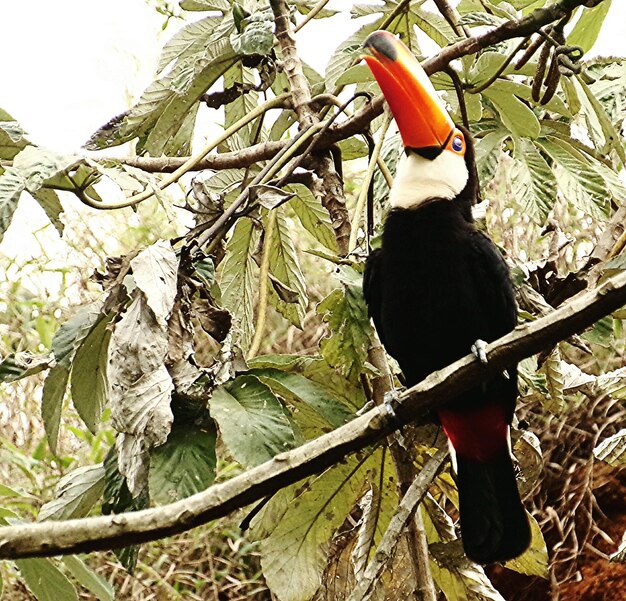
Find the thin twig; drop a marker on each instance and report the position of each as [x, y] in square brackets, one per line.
[263, 286]
[413, 497]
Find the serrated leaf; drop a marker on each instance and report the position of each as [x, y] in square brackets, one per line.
[533, 183]
[251, 420]
[72, 333]
[293, 556]
[238, 273]
[245, 102]
[433, 25]
[580, 184]
[155, 270]
[12, 184]
[269, 197]
[587, 28]
[292, 385]
[38, 165]
[76, 493]
[454, 574]
[313, 216]
[184, 465]
[45, 580]
[534, 561]
[611, 135]
[488, 151]
[93, 582]
[346, 53]
[514, 114]
[89, 374]
[350, 330]
[285, 267]
[612, 449]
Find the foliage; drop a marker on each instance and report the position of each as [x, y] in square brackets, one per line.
[174, 354]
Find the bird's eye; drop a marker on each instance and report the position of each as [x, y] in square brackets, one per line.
[457, 143]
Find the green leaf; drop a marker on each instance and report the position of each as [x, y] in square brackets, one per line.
[357, 74]
[534, 184]
[587, 28]
[184, 465]
[295, 386]
[257, 35]
[49, 201]
[285, 267]
[514, 114]
[350, 331]
[488, 64]
[76, 494]
[238, 274]
[12, 184]
[245, 102]
[221, 5]
[580, 184]
[89, 374]
[54, 388]
[346, 54]
[313, 216]
[488, 151]
[293, 556]
[72, 333]
[45, 580]
[251, 420]
[613, 449]
[93, 582]
[611, 135]
[433, 25]
[534, 561]
[553, 370]
[12, 137]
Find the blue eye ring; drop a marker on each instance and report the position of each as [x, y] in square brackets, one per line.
[457, 143]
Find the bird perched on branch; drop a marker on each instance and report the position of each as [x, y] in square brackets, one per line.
[439, 287]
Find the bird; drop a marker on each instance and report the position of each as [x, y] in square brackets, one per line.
[438, 288]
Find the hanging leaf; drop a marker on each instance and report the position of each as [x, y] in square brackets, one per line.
[534, 185]
[238, 276]
[612, 449]
[350, 331]
[184, 465]
[12, 184]
[251, 421]
[488, 150]
[514, 114]
[555, 380]
[49, 201]
[245, 102]
[45, 580]
[433, 25]
[93, 582]
[285, 267]
[89, 374]
[313, 216]
[21, 365]
[76, 494]
[587, 28]
[534, 561]
[292, 386]
[293, 556]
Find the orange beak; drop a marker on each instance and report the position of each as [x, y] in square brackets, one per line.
[421, 116]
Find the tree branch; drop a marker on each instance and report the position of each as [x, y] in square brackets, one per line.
[105, 532]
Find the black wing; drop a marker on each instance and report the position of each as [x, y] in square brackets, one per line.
[373, 289]
[496, 288]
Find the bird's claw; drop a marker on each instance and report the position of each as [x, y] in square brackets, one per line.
[390, 399]
[479, 350]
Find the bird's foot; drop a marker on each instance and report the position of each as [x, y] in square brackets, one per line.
[390, 401]
[479, 350]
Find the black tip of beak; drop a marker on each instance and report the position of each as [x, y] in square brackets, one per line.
[383, 43]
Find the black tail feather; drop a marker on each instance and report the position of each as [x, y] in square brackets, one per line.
[494, 524]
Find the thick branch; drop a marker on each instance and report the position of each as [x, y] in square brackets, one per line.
[105, 532]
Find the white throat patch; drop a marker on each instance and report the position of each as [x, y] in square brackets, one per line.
[419, 179]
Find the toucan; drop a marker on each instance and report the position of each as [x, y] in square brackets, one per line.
[437, 288]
